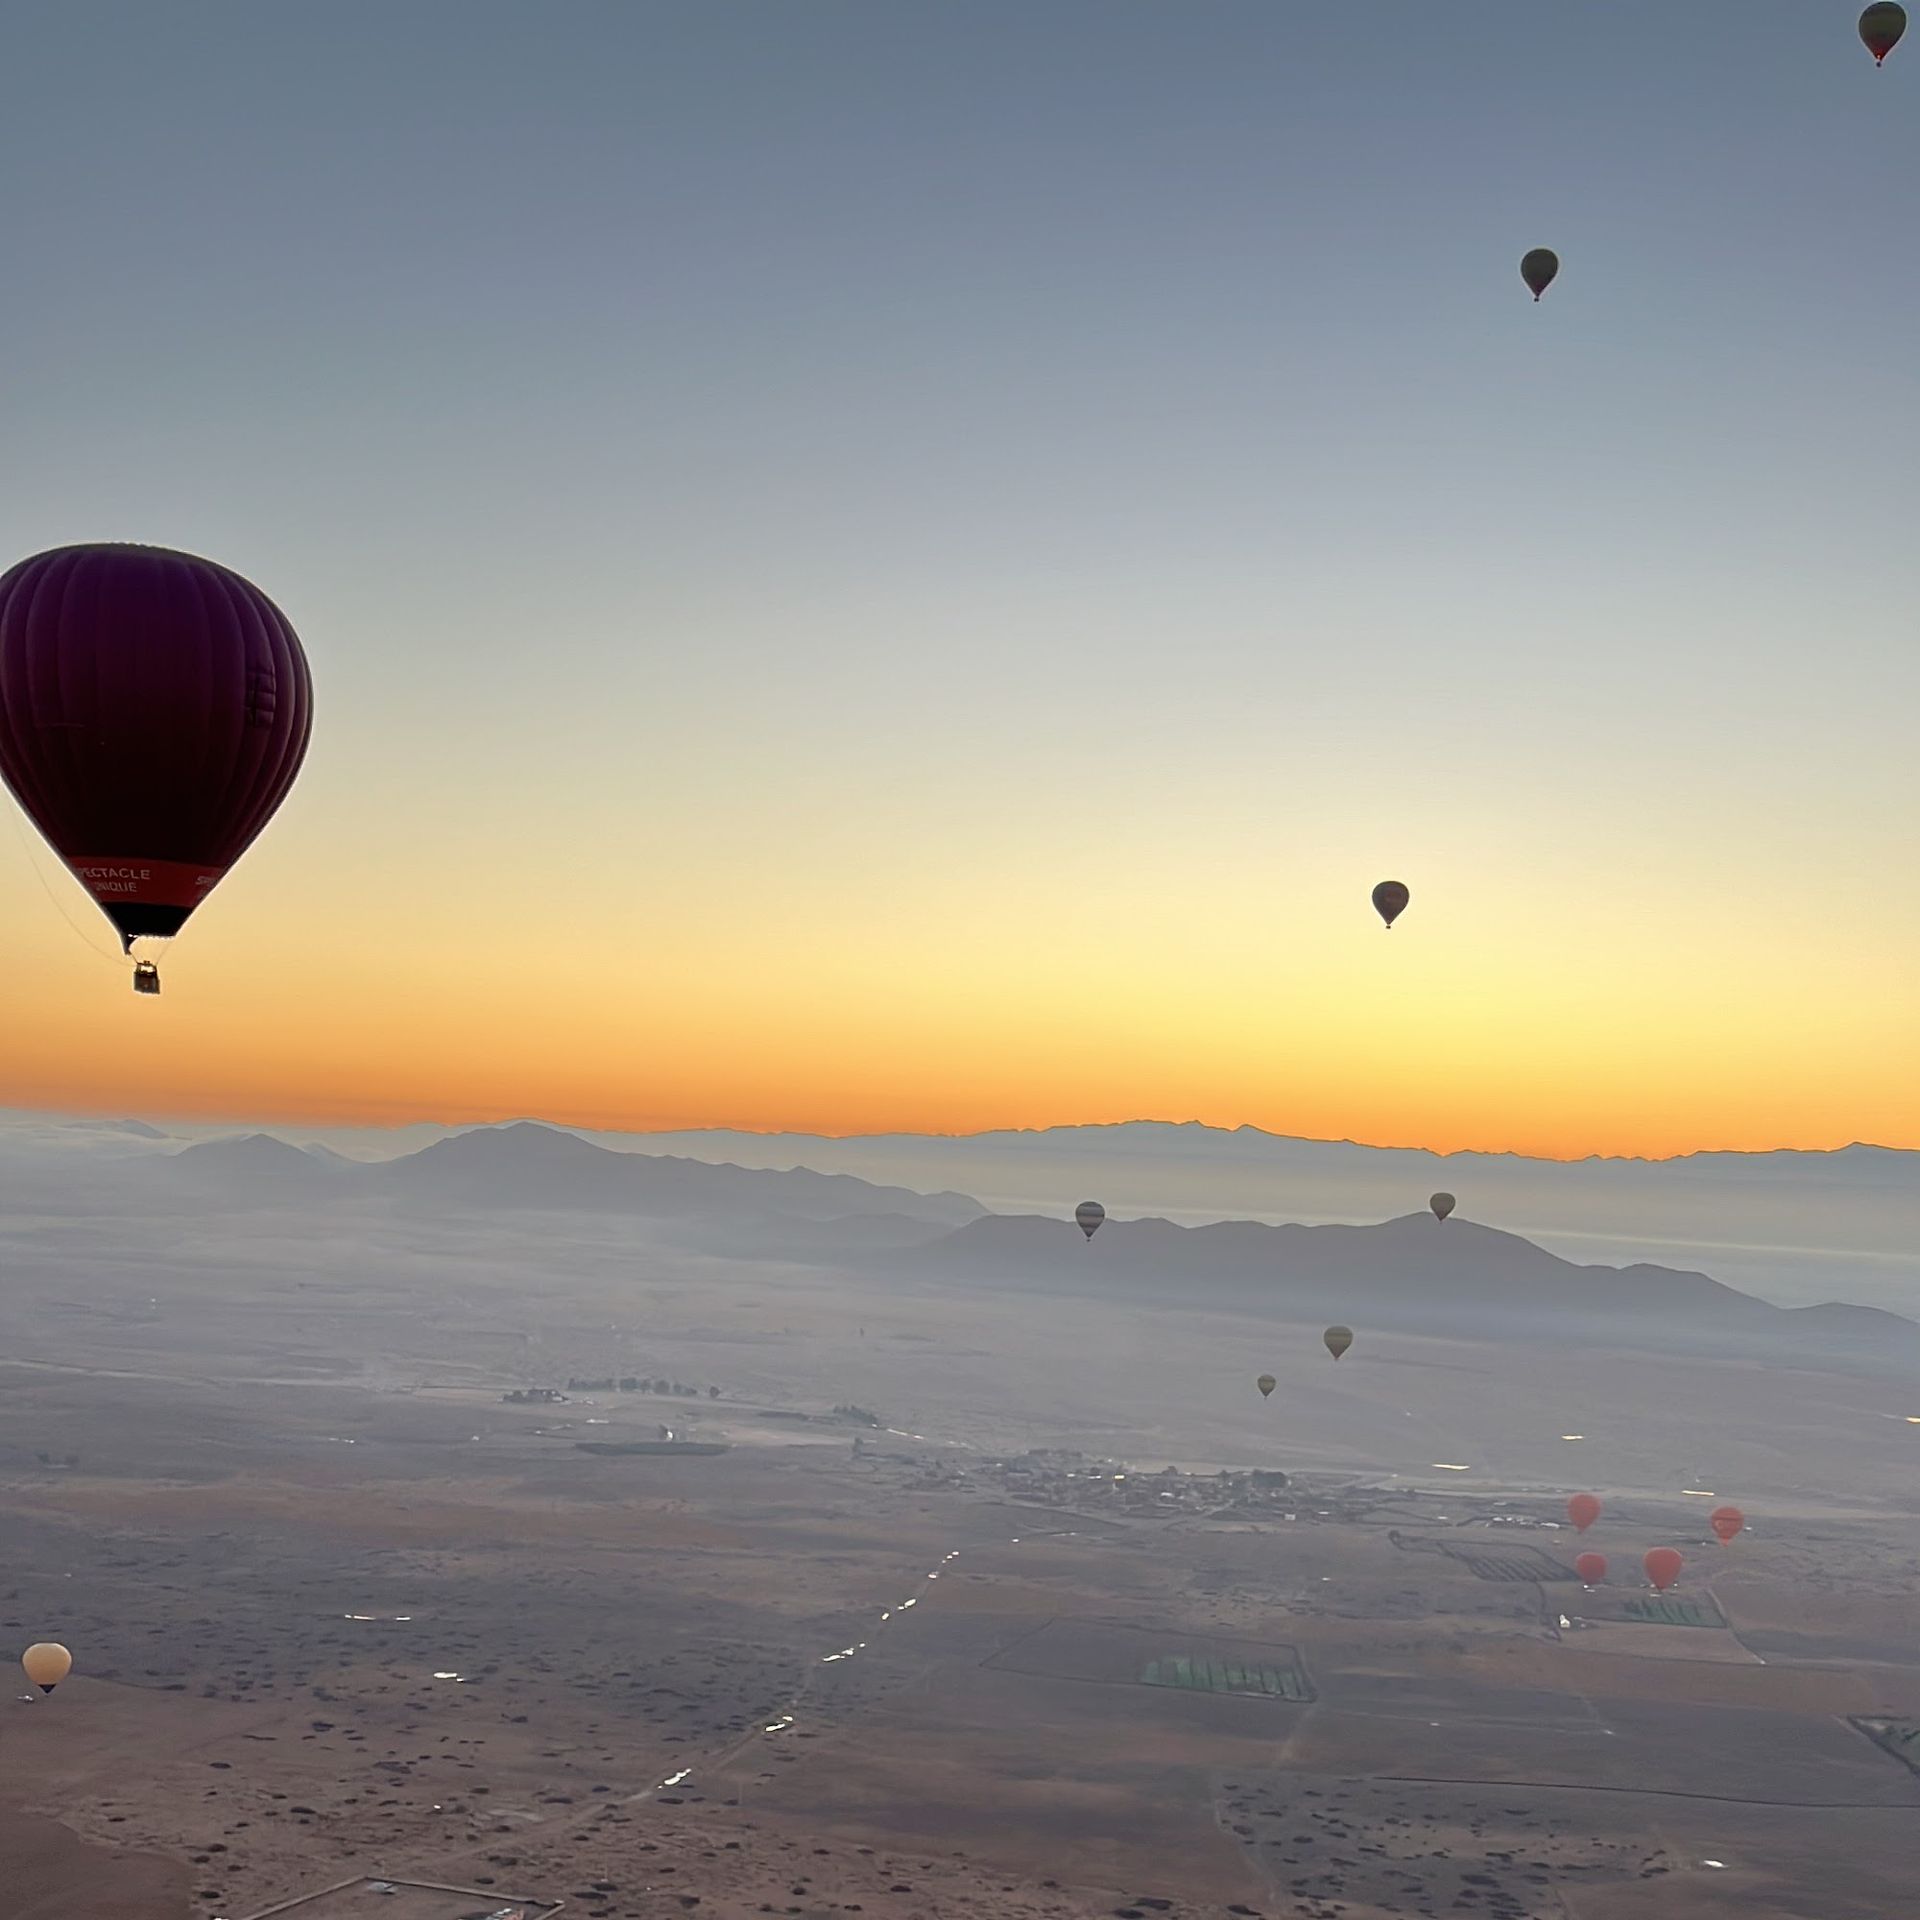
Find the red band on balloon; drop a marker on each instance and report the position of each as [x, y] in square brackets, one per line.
[146, 883]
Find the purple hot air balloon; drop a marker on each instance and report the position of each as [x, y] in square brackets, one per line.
[154, 711]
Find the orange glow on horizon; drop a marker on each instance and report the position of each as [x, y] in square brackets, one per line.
[783, 983]
[774, 1119]
[446, 1084]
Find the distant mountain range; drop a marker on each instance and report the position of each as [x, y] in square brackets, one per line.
[1790, 1225]
[1413, 1273]
[1195, 1141]
[528, 1167]
[1408, 1271]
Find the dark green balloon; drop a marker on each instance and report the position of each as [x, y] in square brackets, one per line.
[1881, 27]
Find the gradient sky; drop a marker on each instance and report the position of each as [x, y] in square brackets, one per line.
[875, 566]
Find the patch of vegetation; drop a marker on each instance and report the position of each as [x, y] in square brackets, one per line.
[1198, 1674]
[1665, 1610]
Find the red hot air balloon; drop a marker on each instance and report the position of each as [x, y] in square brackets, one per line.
[1591, 1567]
[1727, 1524]
[1583, 1510]
[1663, 1566]
[154, 711]
[1881, 27]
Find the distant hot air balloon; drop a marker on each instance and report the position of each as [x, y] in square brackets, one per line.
[154, 710]
[1338, 1340]
[47, 1664]
[1583, 1509]
[1591, 1567]
[1089, 1213]
[1390, 899]
[1266, 1383]
[1442, 1205]
[1538, 268]
[1881, 27]
[1663, 1566]
[1727, 1523]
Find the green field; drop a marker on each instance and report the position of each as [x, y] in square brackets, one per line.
[1164, 1656]
[1200, 1675]
[1664, 1610]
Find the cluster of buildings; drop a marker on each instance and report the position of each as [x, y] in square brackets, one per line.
[1072, 1482]
[555, 1396]
[1059, 1477]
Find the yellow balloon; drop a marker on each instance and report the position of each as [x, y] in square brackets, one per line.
[47, 1664]
[1266, 1383]
[1338, 1340]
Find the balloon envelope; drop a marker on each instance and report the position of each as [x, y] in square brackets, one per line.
[1089, 1214]
[1338, 1340]
[1726, 1523]
[1390, 899]
[154, 710]
[1266, 1383]
[1591, 1567]
[1881, 27]
[1442, 1205]
[47, 1664]
[1583, 1510]
[1663, 1566]
[1538, 268]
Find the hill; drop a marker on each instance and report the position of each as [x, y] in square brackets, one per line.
[1411, 1273]
[523, 1167]
[1781, 1224]
[529, 1166]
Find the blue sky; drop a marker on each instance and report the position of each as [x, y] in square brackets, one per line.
[1109, 437]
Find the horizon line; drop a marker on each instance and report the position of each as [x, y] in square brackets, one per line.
[371, 1125]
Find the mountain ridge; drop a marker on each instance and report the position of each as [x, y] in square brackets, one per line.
[1411, 1273]
[1101, 1136]
[525, 1164]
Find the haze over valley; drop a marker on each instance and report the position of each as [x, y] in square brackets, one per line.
[458, 1499]
[1796, 1227]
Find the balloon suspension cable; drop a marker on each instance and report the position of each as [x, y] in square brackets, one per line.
[79, 932]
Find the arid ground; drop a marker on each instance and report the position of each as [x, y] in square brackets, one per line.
[338, 1610]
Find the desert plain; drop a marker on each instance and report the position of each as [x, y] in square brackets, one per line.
[944, 1597]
